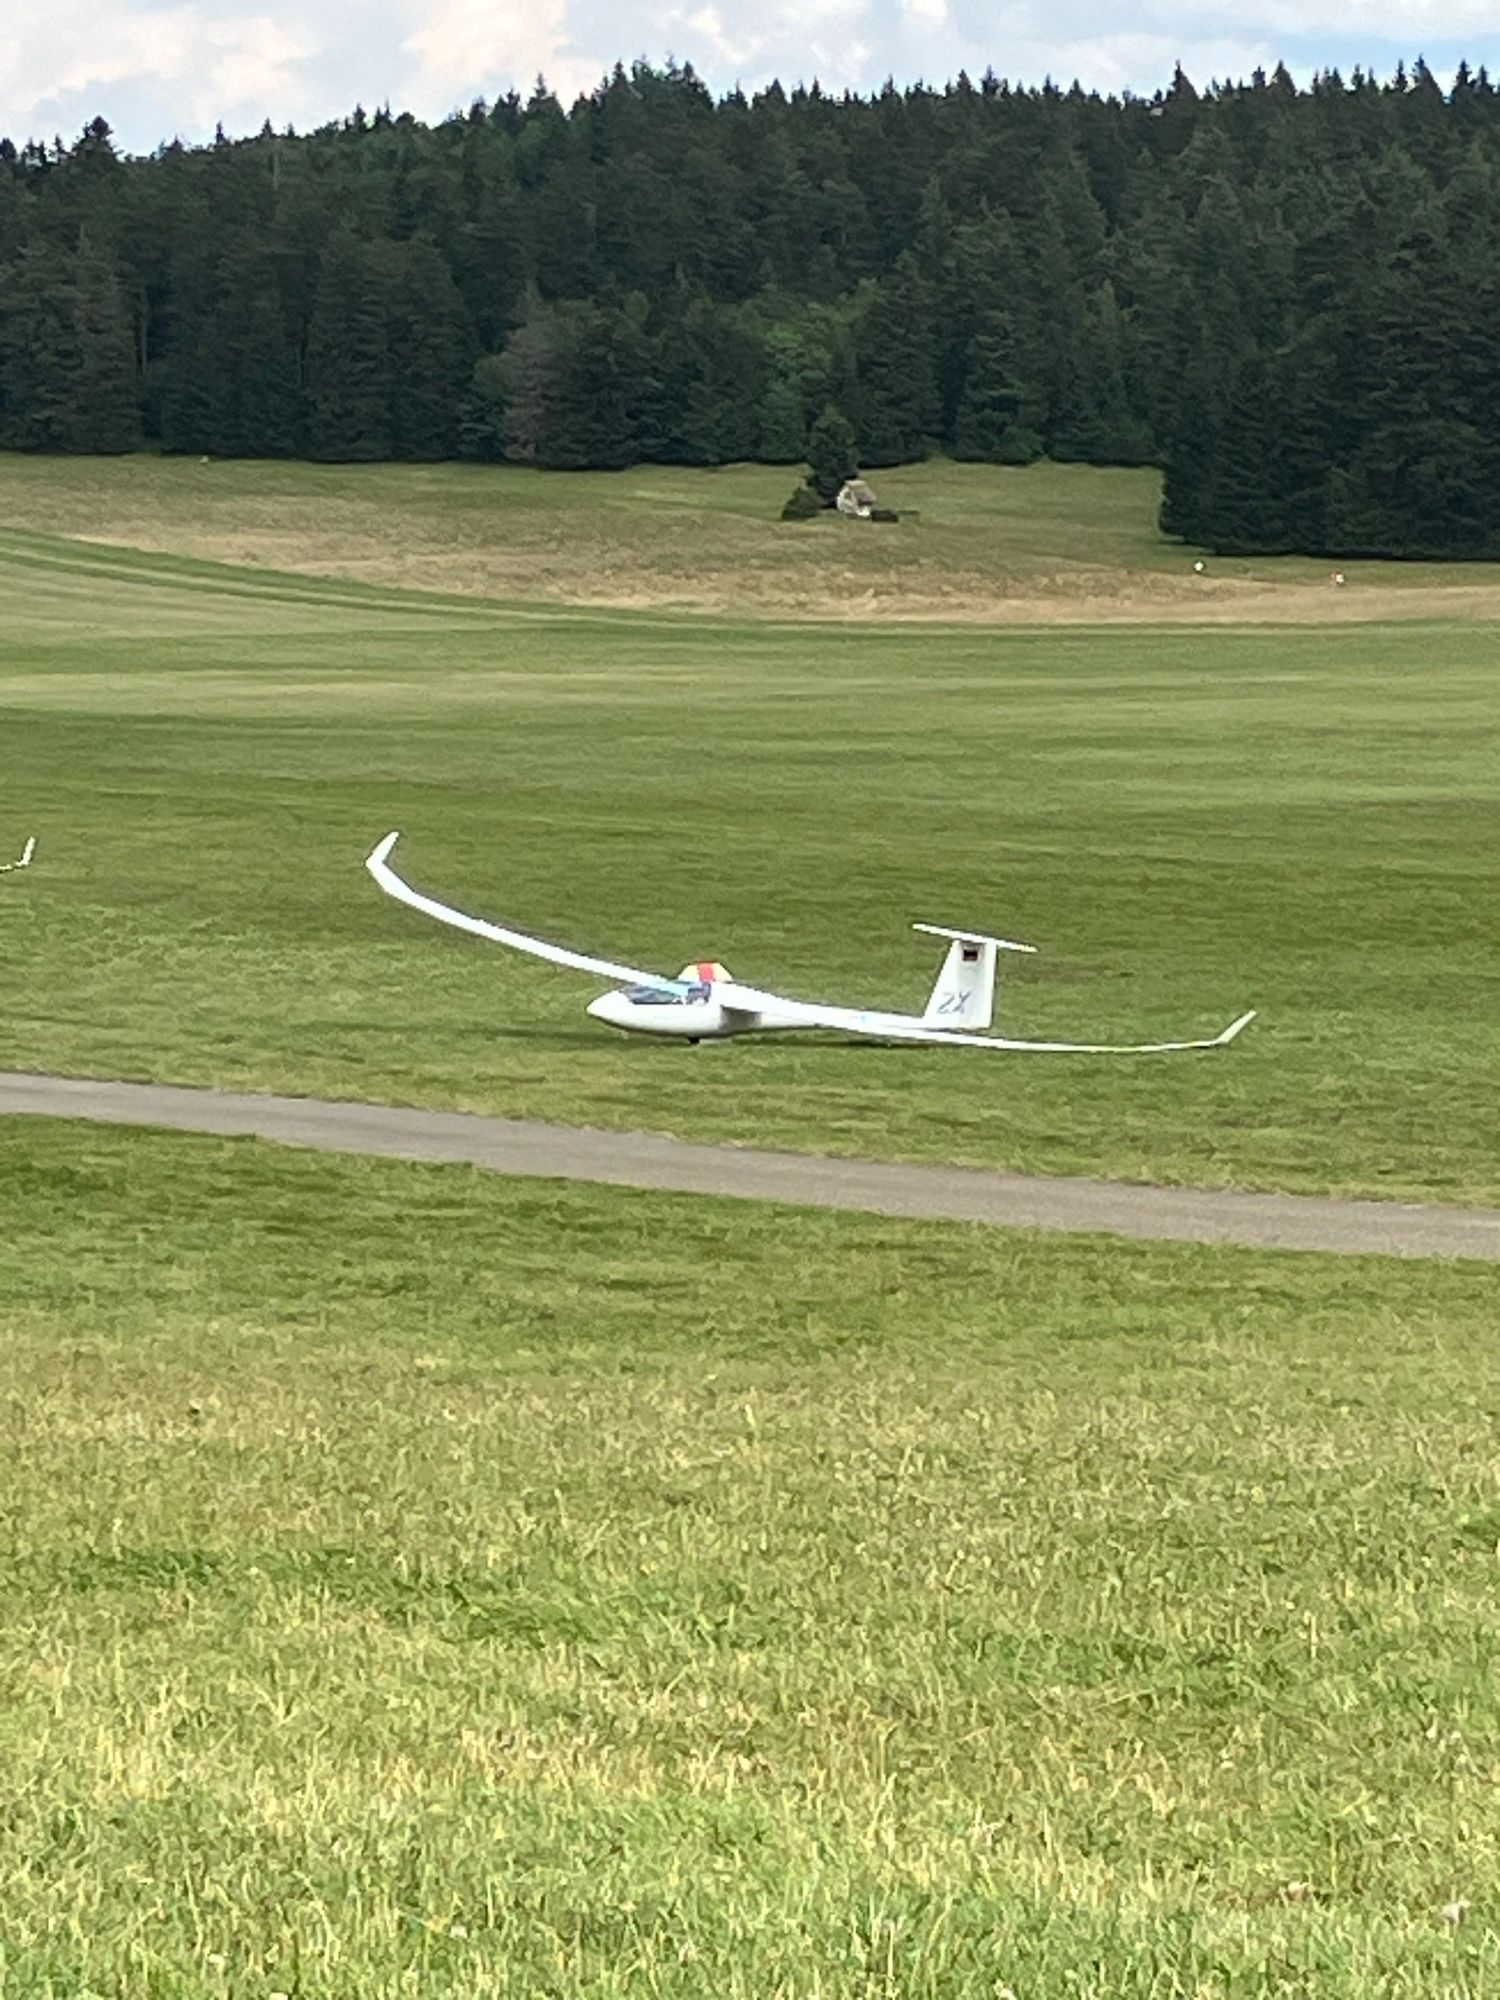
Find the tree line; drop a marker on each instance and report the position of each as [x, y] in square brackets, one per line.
[1288, 298]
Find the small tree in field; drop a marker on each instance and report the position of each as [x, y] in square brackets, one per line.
[831, 461]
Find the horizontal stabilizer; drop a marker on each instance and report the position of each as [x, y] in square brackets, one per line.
[973, 937]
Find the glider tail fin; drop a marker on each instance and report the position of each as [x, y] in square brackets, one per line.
[964, 996]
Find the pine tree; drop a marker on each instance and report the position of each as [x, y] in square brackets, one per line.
[1089, 417]
[481, 416]
[348, 358]
[897, 396]
[430, 348]
[530, 367]
[782, 431]
[734, 380]
[231, 385]
[1424, 479]
[105, 413]
[39, 354]
[259, 410]
[187, 372]
[588, 420]
[995, 415]
[830, 454]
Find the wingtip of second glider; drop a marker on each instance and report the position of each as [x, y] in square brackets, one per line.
[381, 852]
[1235, 1028]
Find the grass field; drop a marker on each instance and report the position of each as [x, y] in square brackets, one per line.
[1188, 821]
[1048, 544]
[423, 1584]
[419, 1583]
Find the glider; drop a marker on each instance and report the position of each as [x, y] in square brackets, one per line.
[705, 1004]
[6, 867]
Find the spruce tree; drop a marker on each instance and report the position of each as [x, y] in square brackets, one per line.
[589, 409]
[481, 416]
[106, 414]
[192, 394]
[896, 392]
[530, 367]
[1089, 417]
[348, 357]
[39, 353]
[233, 387]
[782, 428]
[995, 420]
[430, 348]
[831, 455]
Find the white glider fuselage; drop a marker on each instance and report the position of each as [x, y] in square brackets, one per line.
[700, 1016]
[695, 1016]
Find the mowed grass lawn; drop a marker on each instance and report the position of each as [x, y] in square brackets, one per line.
[1189, 822]
[419, 1583]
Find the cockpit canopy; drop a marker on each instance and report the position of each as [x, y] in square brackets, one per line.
[661, 996]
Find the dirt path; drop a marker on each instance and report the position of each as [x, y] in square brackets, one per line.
[646, 1160]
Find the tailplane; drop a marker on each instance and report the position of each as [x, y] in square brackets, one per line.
[964, 996]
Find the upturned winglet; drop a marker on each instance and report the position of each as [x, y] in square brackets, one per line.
[1234, 1028]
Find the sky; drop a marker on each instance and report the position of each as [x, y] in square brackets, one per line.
[159, 69]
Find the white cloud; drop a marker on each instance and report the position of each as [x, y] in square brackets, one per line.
[837, 41]
[708, 23]
[1142, 63]
[240, 69]
[1403, 21]
[465, 47]
[258, 61]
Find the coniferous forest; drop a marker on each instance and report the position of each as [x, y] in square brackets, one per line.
[1288, 298]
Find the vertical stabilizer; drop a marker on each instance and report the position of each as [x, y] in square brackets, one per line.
[964, 996]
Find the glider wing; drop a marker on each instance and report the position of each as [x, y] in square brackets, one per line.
[379, 864]
[25, 861]
[902, 1028]
[1218, 1041]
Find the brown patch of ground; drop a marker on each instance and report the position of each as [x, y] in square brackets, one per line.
[1079, 596]
[977, 545]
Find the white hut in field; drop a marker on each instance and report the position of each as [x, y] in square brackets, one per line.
[856, 499]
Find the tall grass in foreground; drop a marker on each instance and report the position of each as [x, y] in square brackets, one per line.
[423, 1584]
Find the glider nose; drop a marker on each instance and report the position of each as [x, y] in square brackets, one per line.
[609, 1008]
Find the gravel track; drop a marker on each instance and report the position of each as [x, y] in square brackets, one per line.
[647, 1160]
